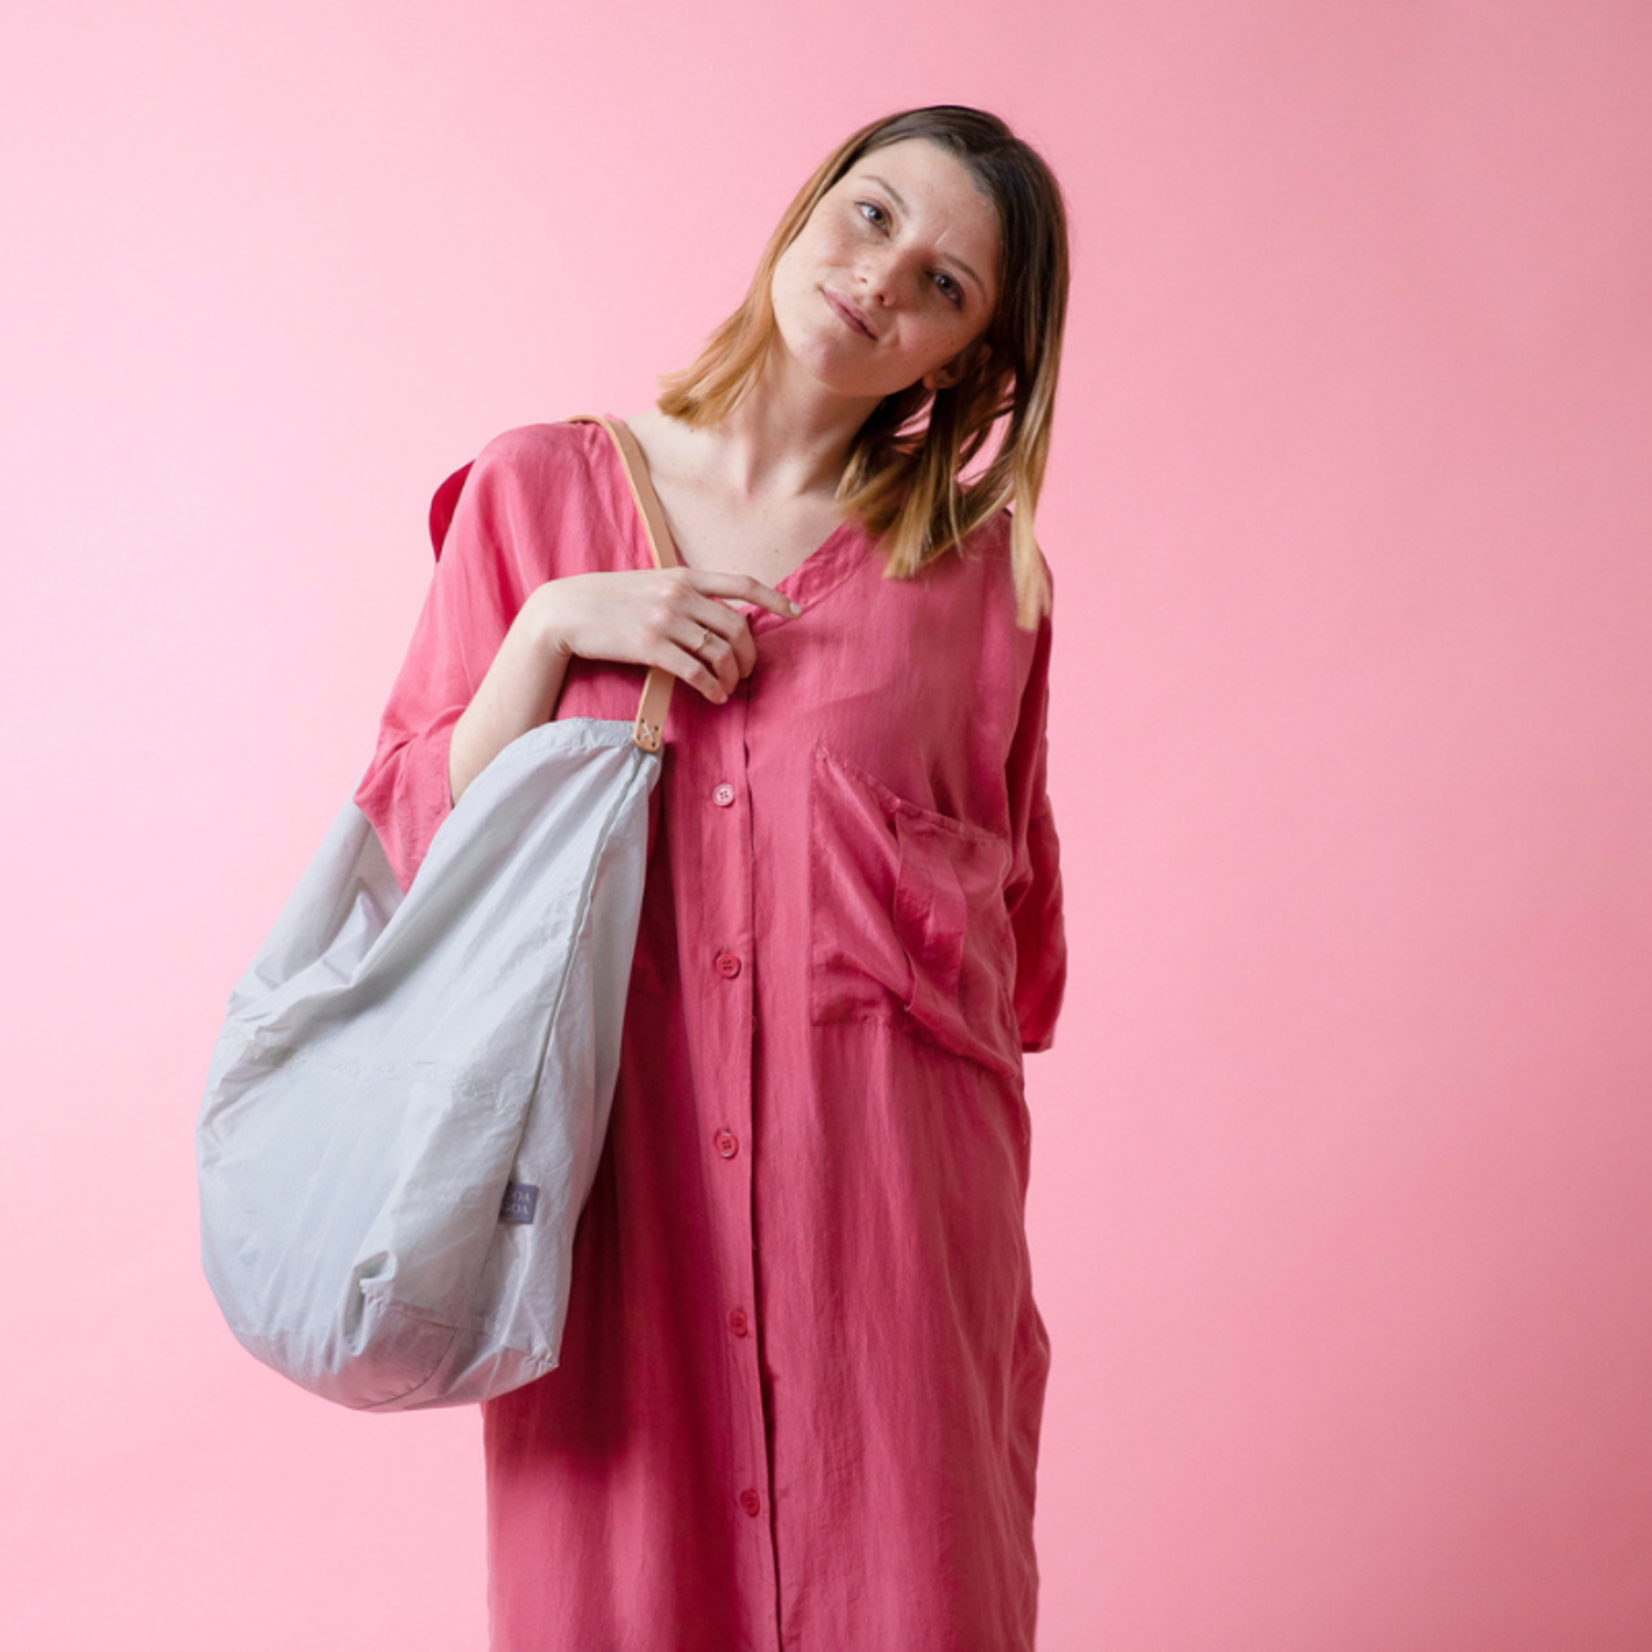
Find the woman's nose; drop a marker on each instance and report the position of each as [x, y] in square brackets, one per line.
[886, 274]
[873, 276]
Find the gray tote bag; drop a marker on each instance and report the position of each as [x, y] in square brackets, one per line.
[409, 1095]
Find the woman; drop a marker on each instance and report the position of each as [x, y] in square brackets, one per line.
[802, 1373]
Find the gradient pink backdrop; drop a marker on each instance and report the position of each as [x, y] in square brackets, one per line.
[1341, 1212]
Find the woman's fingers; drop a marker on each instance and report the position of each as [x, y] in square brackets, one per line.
[722, 643]
[723, 640]
[717, 619]
[742, 588]
[684, 664]
[681, 619]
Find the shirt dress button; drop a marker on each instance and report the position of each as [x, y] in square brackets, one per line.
[728, 966]
[750, 1501]
[738, 1323]
[723, 795]
[726, 1143]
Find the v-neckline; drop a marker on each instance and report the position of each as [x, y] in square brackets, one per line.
[822, 570]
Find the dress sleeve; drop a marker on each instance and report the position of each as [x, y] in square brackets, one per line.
[1033, 891]
[480, 584]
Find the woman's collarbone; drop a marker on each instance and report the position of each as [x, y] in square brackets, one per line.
[718, 530]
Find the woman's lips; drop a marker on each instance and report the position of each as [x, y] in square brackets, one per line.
[848, 312]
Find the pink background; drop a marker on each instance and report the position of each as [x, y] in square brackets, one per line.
[1340, 1212]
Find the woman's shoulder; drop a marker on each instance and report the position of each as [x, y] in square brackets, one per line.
[543, 453]
[990, 539]
[552, 497]
[990, 549]
[538, 478]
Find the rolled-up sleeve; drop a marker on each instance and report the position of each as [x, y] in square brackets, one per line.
[1033, 890]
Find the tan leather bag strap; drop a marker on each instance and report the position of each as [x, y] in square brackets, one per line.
[649, 729]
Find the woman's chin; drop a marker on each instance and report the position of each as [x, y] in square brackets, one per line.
[844, 374]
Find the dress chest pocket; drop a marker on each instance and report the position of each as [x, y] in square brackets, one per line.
[908, 919]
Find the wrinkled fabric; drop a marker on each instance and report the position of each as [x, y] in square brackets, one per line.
[803, 1371]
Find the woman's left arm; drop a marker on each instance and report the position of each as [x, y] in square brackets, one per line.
[1033, 890]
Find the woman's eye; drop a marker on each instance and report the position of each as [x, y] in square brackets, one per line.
[950, 289]
[872, 213]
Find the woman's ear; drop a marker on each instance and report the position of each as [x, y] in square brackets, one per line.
[971, 359]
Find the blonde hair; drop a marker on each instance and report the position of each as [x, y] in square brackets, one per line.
[904, 475]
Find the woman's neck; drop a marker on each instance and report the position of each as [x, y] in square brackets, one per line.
[789, 438]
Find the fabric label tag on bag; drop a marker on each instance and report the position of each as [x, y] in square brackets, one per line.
[520, 1200]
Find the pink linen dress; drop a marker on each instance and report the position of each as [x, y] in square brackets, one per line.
[803, 1372]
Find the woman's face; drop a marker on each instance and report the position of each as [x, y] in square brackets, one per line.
[893, 277]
